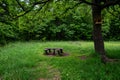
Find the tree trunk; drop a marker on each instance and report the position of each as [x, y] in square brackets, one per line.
[97, 34]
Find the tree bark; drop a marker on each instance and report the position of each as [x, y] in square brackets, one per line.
[97, 24]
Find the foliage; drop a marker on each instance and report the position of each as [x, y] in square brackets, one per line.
[114, 29]
[111, 23]
[52, 21]
[7, 33]
[70, 26]
[114, 22]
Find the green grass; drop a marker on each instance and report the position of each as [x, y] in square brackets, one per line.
[25, 61]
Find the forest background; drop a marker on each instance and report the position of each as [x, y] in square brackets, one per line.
[55, 20]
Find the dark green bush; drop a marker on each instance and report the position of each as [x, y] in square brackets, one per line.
[114, 30]
[7, 33]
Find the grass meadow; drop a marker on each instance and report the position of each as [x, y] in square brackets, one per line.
[25, 61]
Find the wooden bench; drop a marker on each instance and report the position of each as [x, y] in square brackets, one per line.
[53, 51]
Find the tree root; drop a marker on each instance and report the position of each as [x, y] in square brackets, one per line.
[105, 59]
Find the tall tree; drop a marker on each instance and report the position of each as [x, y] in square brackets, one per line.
[97, 7]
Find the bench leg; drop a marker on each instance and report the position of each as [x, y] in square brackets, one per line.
[61, 50]
[54, 51]
[46, 52]
[49, 50]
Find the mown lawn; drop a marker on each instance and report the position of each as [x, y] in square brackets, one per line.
[25, 61]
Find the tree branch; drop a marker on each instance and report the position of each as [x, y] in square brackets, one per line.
[110, 3]
[36, 3]
[30, 8]
[72, 7]
[38, 10]
[89, 3]
[20, 5]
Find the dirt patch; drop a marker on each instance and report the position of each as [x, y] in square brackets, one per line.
[83, 57]
[52, 73]
[63, 54]
[55, 75]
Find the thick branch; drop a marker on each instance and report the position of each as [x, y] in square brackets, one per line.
[30, 9]
[36, 3]
[110, 3]
[38, 10]
[20, 5]
[90, 3]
